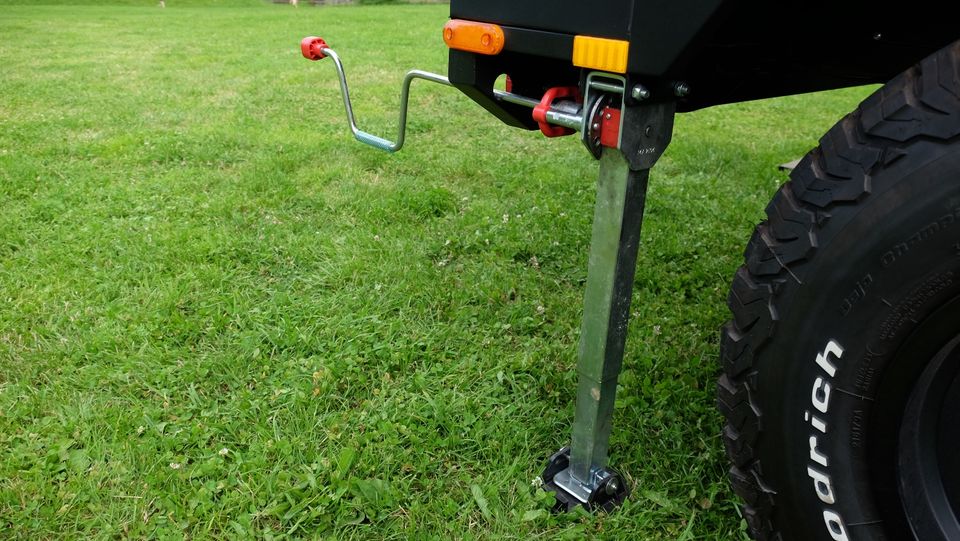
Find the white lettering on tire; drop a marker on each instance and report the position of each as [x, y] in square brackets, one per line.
[818, 469]
[835, 526]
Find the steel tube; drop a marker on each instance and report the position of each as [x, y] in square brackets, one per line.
[618, 214]
[516, 99]
[369, 138]
[566, 120]
[561, 116]
[607, 87]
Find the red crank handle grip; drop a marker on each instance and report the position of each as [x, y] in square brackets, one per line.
[312, 48]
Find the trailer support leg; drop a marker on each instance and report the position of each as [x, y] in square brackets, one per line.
[578, 474]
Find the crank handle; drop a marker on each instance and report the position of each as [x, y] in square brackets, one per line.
[314, 48]
[554, 117]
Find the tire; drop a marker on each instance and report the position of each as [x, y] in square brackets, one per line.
[840, 365]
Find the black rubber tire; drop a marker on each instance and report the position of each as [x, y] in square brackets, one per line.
[850, 291]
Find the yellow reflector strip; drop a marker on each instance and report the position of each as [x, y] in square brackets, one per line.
[600, 53]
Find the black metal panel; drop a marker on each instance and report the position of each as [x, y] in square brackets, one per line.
[725, 50]
[609, 18]
[655, 46]
[475, 74]
[762, 50]
[539, 43]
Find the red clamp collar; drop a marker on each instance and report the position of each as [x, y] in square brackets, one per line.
[540, 111]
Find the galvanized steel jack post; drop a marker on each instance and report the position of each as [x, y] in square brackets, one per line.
[578, 474]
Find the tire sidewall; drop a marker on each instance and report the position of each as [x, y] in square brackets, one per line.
[881, 264]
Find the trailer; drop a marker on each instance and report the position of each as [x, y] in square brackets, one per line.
[840, 366]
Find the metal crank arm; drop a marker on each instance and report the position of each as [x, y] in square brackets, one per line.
[315, 48]
[563, 114]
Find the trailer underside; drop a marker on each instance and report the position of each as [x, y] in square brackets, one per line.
[724, 50]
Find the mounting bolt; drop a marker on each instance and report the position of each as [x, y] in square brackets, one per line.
[681, 89]
[596, 126]
[639, 92]
[612, 487]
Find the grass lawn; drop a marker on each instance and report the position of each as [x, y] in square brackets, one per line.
[222, 317]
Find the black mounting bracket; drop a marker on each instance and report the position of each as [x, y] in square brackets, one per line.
[609, 493]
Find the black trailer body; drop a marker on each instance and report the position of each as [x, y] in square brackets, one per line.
[724, 50]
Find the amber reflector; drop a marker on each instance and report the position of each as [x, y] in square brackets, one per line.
[483, 38]
[600, 53]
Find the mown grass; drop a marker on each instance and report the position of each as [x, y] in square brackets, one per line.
[221, 317]
[176, 4]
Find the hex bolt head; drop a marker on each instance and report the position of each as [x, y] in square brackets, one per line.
[681, 89]
[596, 126]
[639, 92]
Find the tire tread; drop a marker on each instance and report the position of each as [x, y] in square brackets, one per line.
[918, 106]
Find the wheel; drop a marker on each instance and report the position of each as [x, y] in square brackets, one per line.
[841, 365]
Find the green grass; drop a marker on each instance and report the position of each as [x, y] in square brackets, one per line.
[222, 317]
[72, 4]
